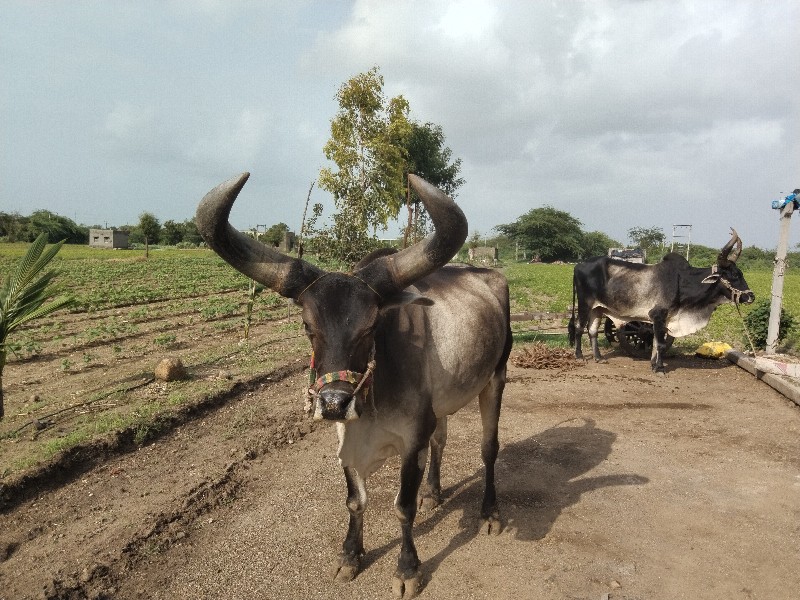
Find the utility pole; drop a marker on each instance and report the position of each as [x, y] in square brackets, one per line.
[787, 206]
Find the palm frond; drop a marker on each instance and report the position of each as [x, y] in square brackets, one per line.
[23, 297]
[36, 259]
[43, 311]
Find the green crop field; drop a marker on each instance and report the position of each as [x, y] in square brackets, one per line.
[75, 376]
[101, 279]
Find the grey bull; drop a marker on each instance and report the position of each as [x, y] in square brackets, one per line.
[399, 343]
[675, 297]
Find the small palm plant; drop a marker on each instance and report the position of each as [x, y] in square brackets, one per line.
[26, 295]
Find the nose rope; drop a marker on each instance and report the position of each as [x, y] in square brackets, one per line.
[360, 380]
[736, 296]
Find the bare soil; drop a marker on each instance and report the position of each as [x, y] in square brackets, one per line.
[613, 482]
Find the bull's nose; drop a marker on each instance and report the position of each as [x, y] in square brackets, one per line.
[335, 405]
[748, 298]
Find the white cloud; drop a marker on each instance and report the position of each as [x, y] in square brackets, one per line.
[128, 124]
[235, 142]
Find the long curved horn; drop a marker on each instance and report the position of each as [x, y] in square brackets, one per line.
[398, 271]
[285, 275]
[725, 254]
[734, 255]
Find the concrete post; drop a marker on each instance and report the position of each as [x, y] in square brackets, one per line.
[777, 279]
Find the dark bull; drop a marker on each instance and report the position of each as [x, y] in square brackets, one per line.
[399, 343]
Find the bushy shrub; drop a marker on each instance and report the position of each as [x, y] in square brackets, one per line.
[757, 321]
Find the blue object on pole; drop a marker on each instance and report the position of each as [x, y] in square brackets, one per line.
[793, 197]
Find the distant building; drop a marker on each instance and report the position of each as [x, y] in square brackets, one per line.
[108, 238]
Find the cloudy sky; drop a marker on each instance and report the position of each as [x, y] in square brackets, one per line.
[624, 114]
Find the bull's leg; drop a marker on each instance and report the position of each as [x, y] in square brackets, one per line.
[594, 327]
[583, 318]
[407, 576]
[490, 401]
[431, 495]
[353, 547]
[659, 318]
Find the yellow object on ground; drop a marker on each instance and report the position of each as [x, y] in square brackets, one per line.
[713, 349]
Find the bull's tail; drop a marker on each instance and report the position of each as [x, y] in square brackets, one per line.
[571, 329]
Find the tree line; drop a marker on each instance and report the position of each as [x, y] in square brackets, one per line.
[15, 227]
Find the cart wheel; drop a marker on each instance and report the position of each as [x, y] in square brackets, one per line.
[636, 339]
[611, 331]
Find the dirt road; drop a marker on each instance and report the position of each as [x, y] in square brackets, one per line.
[611, 481]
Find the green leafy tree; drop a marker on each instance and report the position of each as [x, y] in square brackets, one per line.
[26, 295]
[597, 243]
[649, 239]
[548, 233]
[368, 145]
[429, 158]
[150, 229]
[474, 239]
[55, 226]
[274, 235]
[190, 233]
[11, 226]
[171, 233]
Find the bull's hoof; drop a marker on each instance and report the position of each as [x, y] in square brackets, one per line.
[346, 568]
[491, 525]
[406, 586]
[428, 501]
[601, 361]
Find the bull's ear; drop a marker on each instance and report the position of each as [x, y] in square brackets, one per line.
[406, 297]
[714, 277]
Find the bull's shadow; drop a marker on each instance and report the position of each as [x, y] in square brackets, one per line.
[536, 481]
[674, 360]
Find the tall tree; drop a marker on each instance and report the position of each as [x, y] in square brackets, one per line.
[190, 233]
[11, 226]
[548, 233]
[429, 158]
[56, 227]
[171, 233]
[649, 239]
[368, 145]
[150, 228]
[597, 243]
[274, 235]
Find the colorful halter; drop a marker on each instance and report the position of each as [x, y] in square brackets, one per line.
[360, 380]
